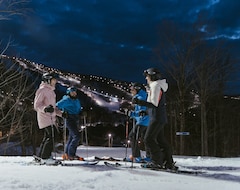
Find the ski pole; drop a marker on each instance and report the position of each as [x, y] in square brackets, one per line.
[86, 136]
[137, 134]
[133, 130]
[65, 135]
[126, 136]
[53, 141]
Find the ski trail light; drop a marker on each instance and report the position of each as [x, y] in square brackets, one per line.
[109, 140]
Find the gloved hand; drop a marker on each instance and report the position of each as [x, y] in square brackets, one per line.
[49, 109]
[65, 114]
[135, 100]
[142, 113]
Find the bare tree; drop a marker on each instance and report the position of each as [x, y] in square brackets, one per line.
[16, 94]
[175, 52]
[212, 66]
[192, 64]
[10, 8]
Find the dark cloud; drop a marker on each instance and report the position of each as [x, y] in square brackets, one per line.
[226, 14]
[112, 38]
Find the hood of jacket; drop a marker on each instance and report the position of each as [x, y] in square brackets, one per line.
[162, 83]
[155, 91]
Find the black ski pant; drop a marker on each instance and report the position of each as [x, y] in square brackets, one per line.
[166, 150]
[46, 146]
[156, 143]
[135, 136]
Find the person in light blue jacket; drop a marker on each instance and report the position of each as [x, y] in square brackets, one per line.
[71, 108]
[140, 123]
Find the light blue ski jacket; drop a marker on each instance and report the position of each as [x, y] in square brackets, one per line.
[72, 106]
[140, 120]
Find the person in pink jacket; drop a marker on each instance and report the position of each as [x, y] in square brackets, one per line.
[44, 104]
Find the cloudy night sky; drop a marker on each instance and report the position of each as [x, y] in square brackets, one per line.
[111, 38]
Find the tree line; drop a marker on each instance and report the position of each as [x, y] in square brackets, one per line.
[198, 71]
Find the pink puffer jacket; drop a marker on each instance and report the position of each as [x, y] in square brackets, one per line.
[44, 97]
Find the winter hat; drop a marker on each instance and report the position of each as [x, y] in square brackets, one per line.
[137, 86]
[71, 89]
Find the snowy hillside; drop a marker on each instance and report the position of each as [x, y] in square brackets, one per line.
[218, 173]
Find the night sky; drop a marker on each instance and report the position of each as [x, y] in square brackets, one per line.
[111, 38]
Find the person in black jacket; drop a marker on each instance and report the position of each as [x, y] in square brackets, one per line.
[154, 137]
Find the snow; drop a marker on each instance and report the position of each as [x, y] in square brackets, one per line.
[17, 173]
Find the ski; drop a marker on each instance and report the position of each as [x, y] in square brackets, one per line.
[119, 165]
[40, 161]
[124, 166]
[56, 162]
[90, 159]
[78, 162]
[109, 158]
[106, 158]
[135, 160]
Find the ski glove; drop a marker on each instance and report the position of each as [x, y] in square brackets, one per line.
[49, 109]
[65, 114]
[135, 100]
[143, 113]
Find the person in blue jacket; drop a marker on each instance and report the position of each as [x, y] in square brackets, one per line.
[141, 121]
[71, 108]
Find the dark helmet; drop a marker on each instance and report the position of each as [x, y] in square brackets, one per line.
[154, 73]
[48, 76]
[137, 86]
[71, 89]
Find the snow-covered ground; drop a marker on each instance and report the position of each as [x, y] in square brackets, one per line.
[18, 174]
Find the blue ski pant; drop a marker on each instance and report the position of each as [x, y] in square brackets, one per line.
[74, 135]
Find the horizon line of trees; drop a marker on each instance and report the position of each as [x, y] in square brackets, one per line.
[222, 116]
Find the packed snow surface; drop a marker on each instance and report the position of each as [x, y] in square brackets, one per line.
[18, 173]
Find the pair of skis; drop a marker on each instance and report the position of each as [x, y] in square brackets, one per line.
[110, 162]
[179, 171]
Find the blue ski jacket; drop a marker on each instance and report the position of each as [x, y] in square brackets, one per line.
[142, 120]
[71, 106]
